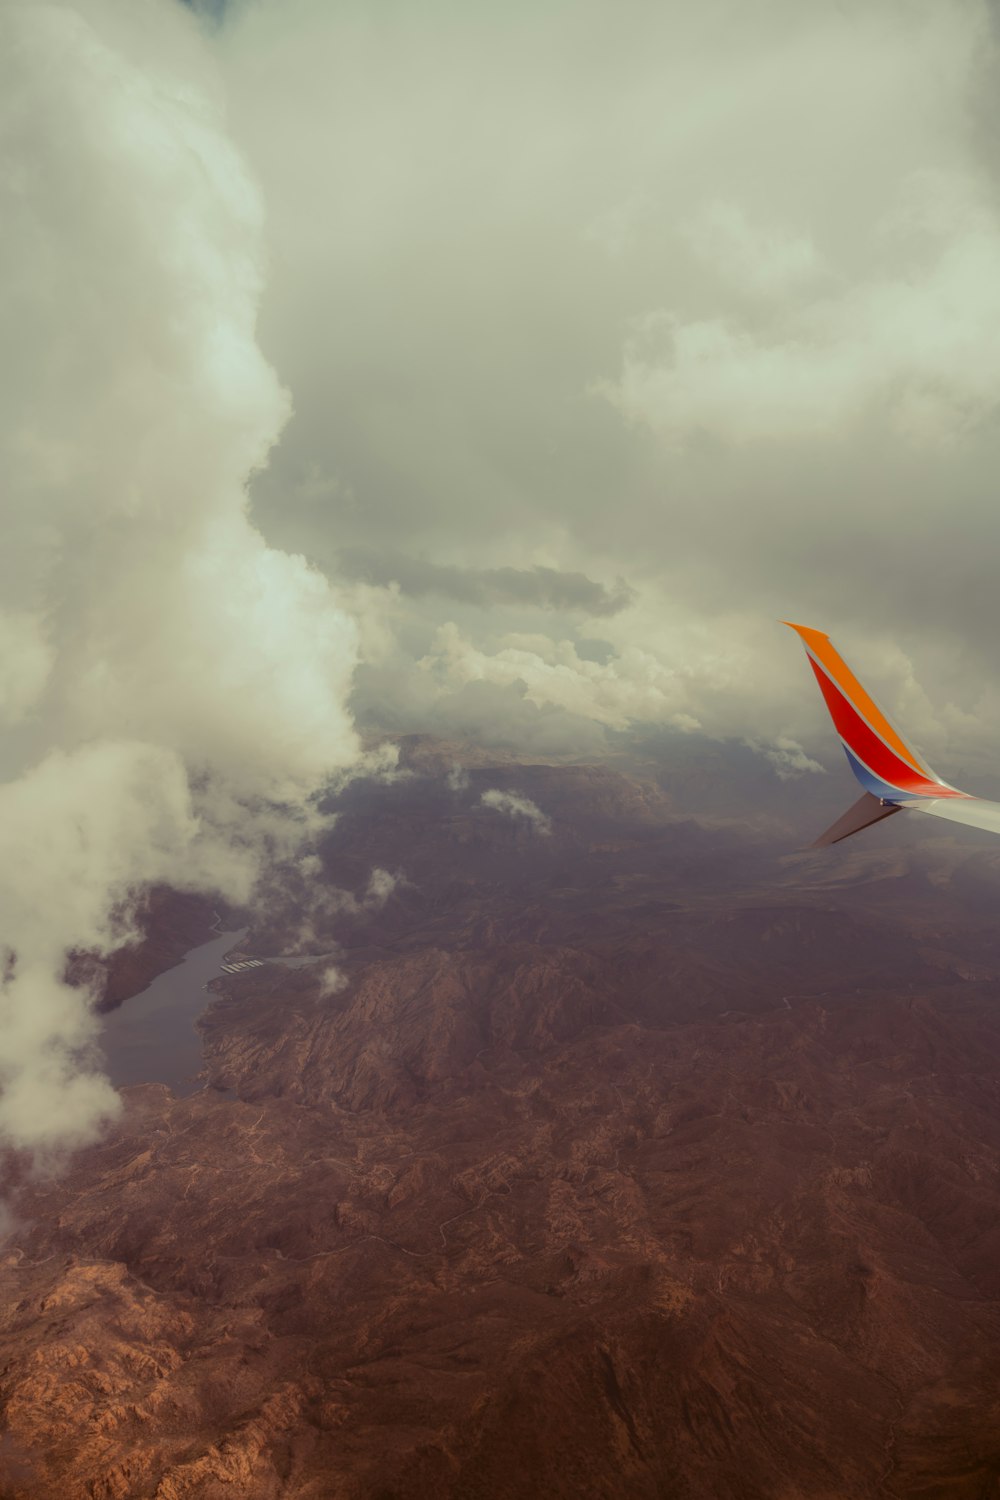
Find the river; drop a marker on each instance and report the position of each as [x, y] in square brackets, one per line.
[151, 1038]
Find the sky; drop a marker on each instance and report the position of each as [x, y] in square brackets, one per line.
[615, 335]
[503, 372]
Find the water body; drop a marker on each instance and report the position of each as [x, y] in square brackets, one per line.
[151, 1038]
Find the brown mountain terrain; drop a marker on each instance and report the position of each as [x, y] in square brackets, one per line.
[644, 1157]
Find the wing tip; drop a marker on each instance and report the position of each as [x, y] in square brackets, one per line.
[805, 631]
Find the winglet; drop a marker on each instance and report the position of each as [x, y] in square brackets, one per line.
[824, 655]
[889, 769]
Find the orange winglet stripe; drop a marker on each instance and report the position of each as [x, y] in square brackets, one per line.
[823, 649]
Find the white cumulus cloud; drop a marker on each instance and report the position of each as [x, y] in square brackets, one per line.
[514, 806]
[171, 681]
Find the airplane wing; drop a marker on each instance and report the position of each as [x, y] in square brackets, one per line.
[895, 778]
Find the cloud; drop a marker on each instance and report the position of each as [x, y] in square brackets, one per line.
[313, 909]
[26, 661]
[764, 261]
[332, 981]
[709, 310]
[393, 698]
[174, 688]
[632, 687]
[788, 758]
[908, 347]
[514, 806]
[381, 885]
[543, 588]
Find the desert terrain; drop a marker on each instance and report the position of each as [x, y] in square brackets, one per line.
[640, 1154]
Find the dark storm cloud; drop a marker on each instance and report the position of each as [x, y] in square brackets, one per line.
[539, 588]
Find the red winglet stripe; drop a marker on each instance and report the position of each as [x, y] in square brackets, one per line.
[821, 649]
[868, 746]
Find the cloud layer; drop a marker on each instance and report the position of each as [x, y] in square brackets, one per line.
[698, 298]
[167, 679]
